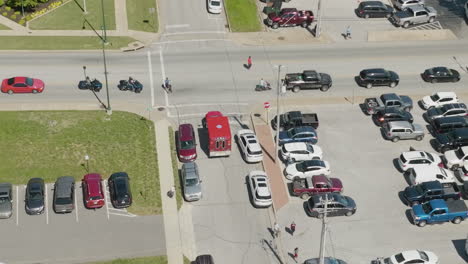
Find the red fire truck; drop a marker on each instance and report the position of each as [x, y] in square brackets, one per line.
[219, 134]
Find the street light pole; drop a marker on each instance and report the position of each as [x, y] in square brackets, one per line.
[22, 7]
[324, 232]
[277, 113]
[318, 28]
[104, 41]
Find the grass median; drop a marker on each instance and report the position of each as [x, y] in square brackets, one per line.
[61, 43]
[3, 27]
[142, 15]
[50, 144]
[142, 260]
[175, 168]
[242, 15]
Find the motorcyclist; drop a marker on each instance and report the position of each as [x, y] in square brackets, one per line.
[263, 83]
[131, 83]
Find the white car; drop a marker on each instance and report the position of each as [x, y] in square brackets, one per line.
[307, 168]
[439, 99]
[456, 158]
[215, 6]
[260, 189]
[462, 173]
[299, 151]
[249, 146]
[413, 256]
[416, 158]
[420, 174]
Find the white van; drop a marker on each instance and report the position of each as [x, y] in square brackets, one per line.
[421, 174]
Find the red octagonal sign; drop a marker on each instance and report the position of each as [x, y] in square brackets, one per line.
[266, 105]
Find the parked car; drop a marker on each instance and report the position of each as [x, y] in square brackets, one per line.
[93, 194]
[290, 17]
[403, 4]
[377, 77]
[430, 190]
[6, 199]
[412, 256]
[439, 99]
[462, 174]
[307, 168]
[457, 109]
[260, 189]
[420, 174]
[309, 79]
[191, 182]
[414, 15]
[466, 15]
[204, 259]
[326, 260]
[298, 134]
[295, 119]
[64, 194]
[456, 158]
[439, 211]
[451, 140]
[416, 158]
[35, 196]
[214, 6]
[186, 143]
[397, 130]
[22, 85]
[391, 114]
[446, 124]
[440, 74]
[391, 100]
[249, 146]
[119, 189]
[367, 9]
[306, 187]
[338, 205]
[300, 151]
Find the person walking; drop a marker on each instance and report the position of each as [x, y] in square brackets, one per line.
[276, 229]
[296, 253]
[348, 32]
[249, 62]
[292, 227]
[168, 85]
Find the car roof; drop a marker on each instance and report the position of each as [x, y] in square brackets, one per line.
[304, 129]
[374, 71]
[411, 254]
[446, 94]
[400, 124]
[5, 187]
[427, 169]
[63, 186]
[191, 170]
[262, 180]
[295, 146]
[118, 175]
[331, 196]
[372, 3]
[390, 96]
[447, 107]
[314, 162]
[417, 8]
[461, 132]
[410, 155]
[451, 119]
[186, 132]
[94, 181]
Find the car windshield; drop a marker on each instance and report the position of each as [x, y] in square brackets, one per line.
[35, 196]
[399, 258]
[259, 152]
[188, 144]
[310, 148]
[430, 157]
[62, 201]
[426, 208]
[301, 167]
[423, 255]
[342, 200]
[435, 97]
[191, 182]
[215, 3]
[29, 81]
[459, 153]
[418, 189]
[3, 199]
[387, 261]
[11, 81]
[94, 198]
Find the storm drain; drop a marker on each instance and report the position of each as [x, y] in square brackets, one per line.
[430, 26]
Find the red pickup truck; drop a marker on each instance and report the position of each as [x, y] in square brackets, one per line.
[290, 17]
[306, 187]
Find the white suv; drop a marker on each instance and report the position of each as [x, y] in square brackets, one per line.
[411, 159]
[456, 158]
[439, 99]
[418, 175]
[299, 151]
[249, 146]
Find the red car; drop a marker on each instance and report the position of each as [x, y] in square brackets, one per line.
[22, 85]
[186, 143]
[92, 191]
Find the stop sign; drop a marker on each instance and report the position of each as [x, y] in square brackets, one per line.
[266, 105]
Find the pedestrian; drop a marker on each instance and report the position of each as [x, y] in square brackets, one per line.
[276, 229]
[296, 253]
[292, 227]
[171, 192]
[249, 62]
[348, 32]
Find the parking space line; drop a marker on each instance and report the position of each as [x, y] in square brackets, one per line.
[105, 200]
[76, 208]
[46, 203]
[17, 205]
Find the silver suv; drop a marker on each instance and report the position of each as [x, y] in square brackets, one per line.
[6, 199]
[191, 182]
[397, 130]
[402, 4]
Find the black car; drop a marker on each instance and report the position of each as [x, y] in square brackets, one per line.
[204, 259]
[119, 188]
[447, 124]
[440, 74]
[338, 205]
[367, 9]
[392, 114]
[452, 140]
[34, 200]
[377, 77]
[430, 190]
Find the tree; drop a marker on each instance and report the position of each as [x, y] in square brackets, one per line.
[27, 4]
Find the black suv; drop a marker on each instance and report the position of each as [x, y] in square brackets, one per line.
[452, 140]
[446, 124]
[392, 114]
[368, 9]
[377, 77]
[119, 188]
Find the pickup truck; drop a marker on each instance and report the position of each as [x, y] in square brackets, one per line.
[290, 17]
[306, 187]
[431, 190]
[414, 15]
[375, 104]
[295, 119]
[309, 79]
[439, 211]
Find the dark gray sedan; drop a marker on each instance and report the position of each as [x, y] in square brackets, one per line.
[338, 205]
[34, 196]
[440, 74]
[6, 199]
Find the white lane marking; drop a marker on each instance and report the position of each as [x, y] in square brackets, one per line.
[178, 26]
[163, 72]
[105, 200]
[190, 40]
[46, 205]
[195, 33]
[76, 208]
[127, 215]
[150, 69]
[206, 104]
[17, 205]
[203, 114]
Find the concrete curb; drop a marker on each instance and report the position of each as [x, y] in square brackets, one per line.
[405, 35]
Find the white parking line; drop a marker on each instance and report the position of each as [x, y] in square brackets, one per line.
[105, 200]
[163, 72]
[150, 68]
[46, 205]
[17, 205]
[76, 208]
[178, 26]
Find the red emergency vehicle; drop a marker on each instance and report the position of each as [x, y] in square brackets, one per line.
[219, 134]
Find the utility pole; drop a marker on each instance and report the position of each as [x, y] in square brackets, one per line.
[84, 7]
[277, 113]
[324, 231]
[318, 28]
[104, 42]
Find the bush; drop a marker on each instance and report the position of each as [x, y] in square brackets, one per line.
[4, 14]
[28, 17]
[17, 12]
[22, 22]
[13, 17]
[7, 8]
[2, 2]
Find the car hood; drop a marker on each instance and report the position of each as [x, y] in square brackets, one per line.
[418, 128]
[326, 78]
[187, 152]
[273, 16]
[394, 76]
[38, 83]
[433, 112]
[442, 138]
[5, 208]
[352, 203]
[406, 99]
[193, 189]
[450, 156]
[35, 204]
[418, 209]
[292, 170]
[410, 193]
[455, 73]
[427, 101]
[283, 135]
[336, 183]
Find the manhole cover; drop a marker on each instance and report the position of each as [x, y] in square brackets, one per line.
[281, 38]
[257, 115]
[161, 108]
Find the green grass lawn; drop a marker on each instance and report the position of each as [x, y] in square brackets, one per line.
[70, 16]
[49, 144]
[60, 43]
[137, 11]
[144, 260]
[242, 15]
[175, 168]
[3, 27]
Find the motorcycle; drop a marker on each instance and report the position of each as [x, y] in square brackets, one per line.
[94, 85]
[260, 88]
[130, 85]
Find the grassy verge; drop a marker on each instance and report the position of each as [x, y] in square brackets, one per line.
[49, 144]
[60, 43]
[242, 15]
[175, 168]
[70, 17]
[3, 27]
[186, 260]
[144, 260]
[138, 12]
